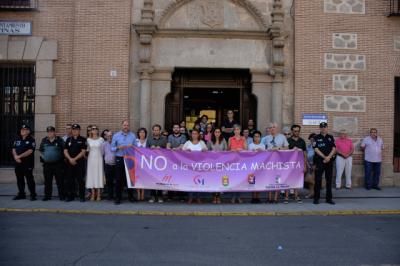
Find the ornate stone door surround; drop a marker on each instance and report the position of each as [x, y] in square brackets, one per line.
[155, 80]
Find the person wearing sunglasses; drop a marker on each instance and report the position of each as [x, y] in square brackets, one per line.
[296, 143]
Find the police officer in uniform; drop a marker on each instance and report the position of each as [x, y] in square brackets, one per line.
[74, 152]
[23, 152]
[325, 150]
[52, 156]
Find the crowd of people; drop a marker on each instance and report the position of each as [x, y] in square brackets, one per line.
[88, 168]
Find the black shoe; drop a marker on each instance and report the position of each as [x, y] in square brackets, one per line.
[33, 198]
[18, 197]
[69, 199]
[368, 188]
[253, 201]
[315, 201]
[377, 188]
[132, 200]
[82, 199]
[330, 202]
[117, 202]
[62, 198]
[46, 198]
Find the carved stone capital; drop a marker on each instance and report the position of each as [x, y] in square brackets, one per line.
[145, 38]
[145, 28]
[278, 42]
[145, 71]
[278, 73]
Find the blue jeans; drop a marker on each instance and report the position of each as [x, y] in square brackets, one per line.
[372, 174]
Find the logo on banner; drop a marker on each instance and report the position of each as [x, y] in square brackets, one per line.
[278, 179]
[251, 178]
[198, 180]
[130, 163]
[167, 178]
[166, 181]
[225, 180]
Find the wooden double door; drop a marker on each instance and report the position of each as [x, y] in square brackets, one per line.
[212, 92]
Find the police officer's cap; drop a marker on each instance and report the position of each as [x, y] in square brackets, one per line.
[323, 124]
[25, 126]
[76, 126]
[50, 128]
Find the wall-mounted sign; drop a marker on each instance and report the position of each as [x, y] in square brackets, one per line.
[314, 119]
[15, 27]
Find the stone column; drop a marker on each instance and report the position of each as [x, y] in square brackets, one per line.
[276, 101]
[262, 89]
[278, 61]
[145, 98]
[161, 86]
[145, 29]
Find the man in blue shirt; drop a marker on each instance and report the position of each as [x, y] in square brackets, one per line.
[121, 141]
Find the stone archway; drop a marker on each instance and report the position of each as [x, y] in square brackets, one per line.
[213, 4]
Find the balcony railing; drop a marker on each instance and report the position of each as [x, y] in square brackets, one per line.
[16, 5]
[394, 8]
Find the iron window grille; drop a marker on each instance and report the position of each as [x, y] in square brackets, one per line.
[16, 5]
[394, 8]
[17, 104]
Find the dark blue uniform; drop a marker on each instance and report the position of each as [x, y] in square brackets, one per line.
[52, 156]
[25, 168]
[325, 144]
[75, 173]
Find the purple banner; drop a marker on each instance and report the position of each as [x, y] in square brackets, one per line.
[209, 171]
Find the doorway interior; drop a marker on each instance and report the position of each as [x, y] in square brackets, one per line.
[198, 91]
[211, 102]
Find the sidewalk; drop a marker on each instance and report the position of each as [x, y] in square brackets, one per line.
[348, 202]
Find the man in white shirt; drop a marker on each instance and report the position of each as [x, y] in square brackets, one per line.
[372, 147]
[276, 140]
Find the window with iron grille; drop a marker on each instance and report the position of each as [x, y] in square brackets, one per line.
[394, 8]
[18, 4]
[17, 105]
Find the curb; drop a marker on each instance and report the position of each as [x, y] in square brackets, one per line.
[183, 213]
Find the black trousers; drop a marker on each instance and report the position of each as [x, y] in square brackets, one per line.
[109, 171]
[22, 171]
[75, 175]
[120, 179]
[321, 168]
[157, 194]
[55, 170]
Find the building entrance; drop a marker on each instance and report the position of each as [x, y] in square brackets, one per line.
[211, 92]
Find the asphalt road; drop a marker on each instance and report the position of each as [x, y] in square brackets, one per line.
[60, 239]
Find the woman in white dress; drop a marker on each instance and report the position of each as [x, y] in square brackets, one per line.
[95, 168]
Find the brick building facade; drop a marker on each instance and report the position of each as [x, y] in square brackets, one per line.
[98, 62]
